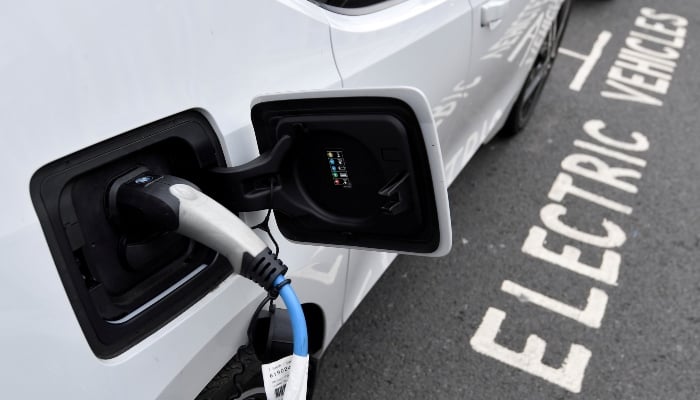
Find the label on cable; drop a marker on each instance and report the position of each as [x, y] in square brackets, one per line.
[275, 376]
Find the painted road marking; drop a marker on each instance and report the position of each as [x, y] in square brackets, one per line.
[607, 272]
[569, 375]
[648, 58]
[652, 71]
[614, 235]
[572, 371]
[589, 60]
[594, 128]
[603, 173]
[610, 153]
[592, 315]
[564, 184]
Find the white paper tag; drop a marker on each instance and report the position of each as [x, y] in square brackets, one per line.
[275, 376]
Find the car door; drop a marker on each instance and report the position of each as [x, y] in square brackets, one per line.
[486, 93]
[418, 43]
[470, 58]
[507, 38]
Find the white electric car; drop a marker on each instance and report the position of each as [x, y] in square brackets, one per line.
[348, 118]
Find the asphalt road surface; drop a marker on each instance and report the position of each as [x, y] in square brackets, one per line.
[620, 320]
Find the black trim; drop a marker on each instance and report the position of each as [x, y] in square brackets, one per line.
[104, 280]
[356, 7]
[309, 209]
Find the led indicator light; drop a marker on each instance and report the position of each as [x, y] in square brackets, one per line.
[144, 179]
[339, 171]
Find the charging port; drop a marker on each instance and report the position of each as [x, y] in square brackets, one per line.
[123, 280]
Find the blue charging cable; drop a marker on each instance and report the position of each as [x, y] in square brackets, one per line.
[296, 314]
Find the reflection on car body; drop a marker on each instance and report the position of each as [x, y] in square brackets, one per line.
[85, 73]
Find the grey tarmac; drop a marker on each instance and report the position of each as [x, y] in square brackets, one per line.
[410, 337]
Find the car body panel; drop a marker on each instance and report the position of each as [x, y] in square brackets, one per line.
[508, 49]
[77, 72]
[397, 46]
[418, 43]
[80, 72]
[469, 97]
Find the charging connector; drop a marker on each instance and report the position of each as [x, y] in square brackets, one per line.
[142, 200]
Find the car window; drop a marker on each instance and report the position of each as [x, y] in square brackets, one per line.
[356, 7]
[351, 3]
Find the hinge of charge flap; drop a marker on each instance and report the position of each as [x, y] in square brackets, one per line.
[251, 186]
[257, 185]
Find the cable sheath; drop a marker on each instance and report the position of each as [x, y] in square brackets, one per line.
[296, 314]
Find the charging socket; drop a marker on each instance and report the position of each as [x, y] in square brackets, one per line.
[125, 283]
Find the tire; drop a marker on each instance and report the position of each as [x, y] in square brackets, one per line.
[524, 105]
[240, 379]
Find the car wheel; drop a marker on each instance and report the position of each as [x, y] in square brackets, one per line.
[240, 379]
[524, 106]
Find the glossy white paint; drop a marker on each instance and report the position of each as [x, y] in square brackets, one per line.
[506, 51]
[417, 43]
[441, 48]
[364, 270]
[77, 72]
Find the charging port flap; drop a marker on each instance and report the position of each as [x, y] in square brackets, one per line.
[362, 169]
